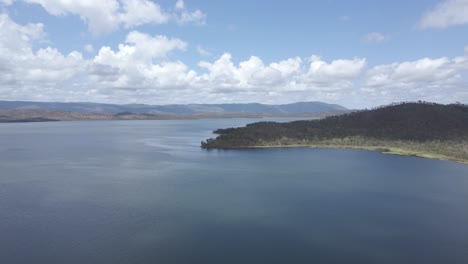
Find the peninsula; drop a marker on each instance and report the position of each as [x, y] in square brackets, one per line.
[418, 128]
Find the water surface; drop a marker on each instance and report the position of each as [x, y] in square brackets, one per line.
[144, 192]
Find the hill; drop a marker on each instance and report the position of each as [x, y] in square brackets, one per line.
[180, 109]
[422, 129]
[19, 111]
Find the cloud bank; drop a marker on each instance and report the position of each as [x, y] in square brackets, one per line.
[141, 69]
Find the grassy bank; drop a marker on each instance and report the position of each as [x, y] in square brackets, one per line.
[417, 129]
[441, 150]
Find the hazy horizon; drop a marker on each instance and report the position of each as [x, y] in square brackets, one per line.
[214, 103]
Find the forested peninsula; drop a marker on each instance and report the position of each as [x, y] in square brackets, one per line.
[411, 128]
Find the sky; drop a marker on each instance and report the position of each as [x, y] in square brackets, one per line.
[357, 53]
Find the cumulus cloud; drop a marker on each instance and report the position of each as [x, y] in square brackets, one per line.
[413, 73]
[293, 75]
[249, 74]
[446, 13]
[185, 16]
[22, 65]
[16, 38]
[143, 69]
[133, 64]
[105, 16]
[139, 12]
[427, 79]
[294, 79]
[139, 48]
[337, 69]
[101, 16]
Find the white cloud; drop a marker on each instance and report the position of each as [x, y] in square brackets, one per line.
[139, 12]
[154, 47]
[294, 79]
[337, 69]
[287, 75]
[196, 17]
[16, 39]
[101, 16]
[50, 66]
[424, 79]
[143, 69]
[446, 13]
[222, 71]
[184, 16]
[22, 65]
[375, 37]
[288, 67]
[105, 16]
[203, 52]
[133, 65]
[413, 73]
[140, 48]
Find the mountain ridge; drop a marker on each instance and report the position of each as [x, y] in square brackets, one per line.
[254, 108]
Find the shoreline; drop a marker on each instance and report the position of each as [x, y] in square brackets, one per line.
[382, 149]
[162, 118]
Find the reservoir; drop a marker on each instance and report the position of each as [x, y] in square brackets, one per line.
[145, 192]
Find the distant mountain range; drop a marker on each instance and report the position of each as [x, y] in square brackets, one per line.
[179, 109]
[20, 111]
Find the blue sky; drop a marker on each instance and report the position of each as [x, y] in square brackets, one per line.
[355, 53]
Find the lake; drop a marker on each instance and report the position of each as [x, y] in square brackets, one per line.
[145, 192]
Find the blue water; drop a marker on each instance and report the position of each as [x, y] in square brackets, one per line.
[144, 192]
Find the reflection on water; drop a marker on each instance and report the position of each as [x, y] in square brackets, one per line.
[144, 192]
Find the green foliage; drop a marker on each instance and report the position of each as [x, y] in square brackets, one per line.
[441, 127]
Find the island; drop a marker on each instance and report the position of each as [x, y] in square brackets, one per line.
[421, 129]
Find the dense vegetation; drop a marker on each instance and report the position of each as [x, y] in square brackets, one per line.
[395, 125]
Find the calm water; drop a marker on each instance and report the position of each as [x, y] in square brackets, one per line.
[144, 192]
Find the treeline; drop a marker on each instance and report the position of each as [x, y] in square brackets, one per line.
[412, 121]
